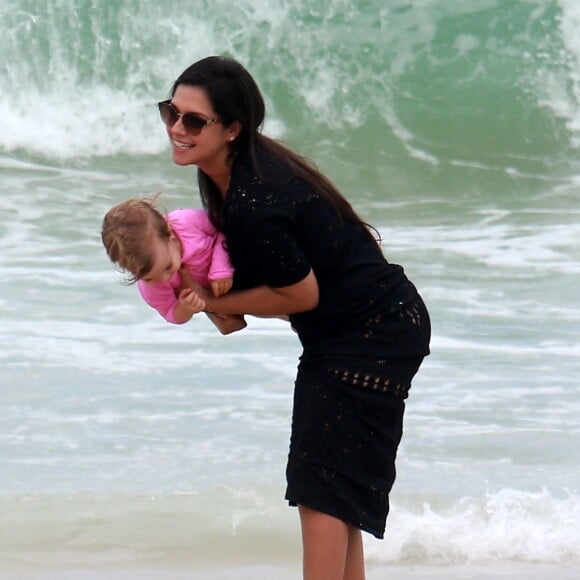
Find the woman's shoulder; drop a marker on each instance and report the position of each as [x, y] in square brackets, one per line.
[263, 165]
[267, 179]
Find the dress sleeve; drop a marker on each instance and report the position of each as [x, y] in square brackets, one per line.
[268, 233]
[204, 251]
[161, 297]
[221, 266]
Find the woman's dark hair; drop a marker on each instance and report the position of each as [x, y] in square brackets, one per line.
[235, 96]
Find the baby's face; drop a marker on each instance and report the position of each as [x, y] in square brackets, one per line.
[167, 260]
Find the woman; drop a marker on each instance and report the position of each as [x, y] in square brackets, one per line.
[299, 248]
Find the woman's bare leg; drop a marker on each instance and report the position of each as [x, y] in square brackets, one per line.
[354, 568]
[332, 549]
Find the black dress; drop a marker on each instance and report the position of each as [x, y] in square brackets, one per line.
[362, 344]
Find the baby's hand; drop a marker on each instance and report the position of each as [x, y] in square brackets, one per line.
[221, 287]
[190, 300]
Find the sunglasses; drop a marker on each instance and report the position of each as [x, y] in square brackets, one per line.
[192, 122]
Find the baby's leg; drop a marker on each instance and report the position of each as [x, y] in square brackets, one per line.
[227, 323]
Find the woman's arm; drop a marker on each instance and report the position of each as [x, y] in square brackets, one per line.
[298, 297]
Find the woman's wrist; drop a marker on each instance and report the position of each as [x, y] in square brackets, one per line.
[209, 303]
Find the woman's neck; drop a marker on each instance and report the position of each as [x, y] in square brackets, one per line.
[220, 177]
[222, 183]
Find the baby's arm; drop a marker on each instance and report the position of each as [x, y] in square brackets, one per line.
[220, 268]
[175, 309]
[188, 304]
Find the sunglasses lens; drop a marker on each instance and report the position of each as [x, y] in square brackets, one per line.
[168, 114]
[193, 123]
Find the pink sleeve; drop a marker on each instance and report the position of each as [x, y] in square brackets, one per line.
[221, 266]
[161, 297]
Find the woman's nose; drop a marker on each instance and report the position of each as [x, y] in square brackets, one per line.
[177, 128]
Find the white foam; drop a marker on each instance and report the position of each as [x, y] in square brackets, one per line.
[511, 525]
[100, 121]
[525, 249]
[559, 83]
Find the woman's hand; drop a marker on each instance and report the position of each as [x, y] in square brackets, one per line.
[221, 287]
[226, 323]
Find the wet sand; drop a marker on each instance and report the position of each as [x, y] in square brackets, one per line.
[493, 570]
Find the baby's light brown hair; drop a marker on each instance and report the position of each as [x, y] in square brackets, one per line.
[128, 231]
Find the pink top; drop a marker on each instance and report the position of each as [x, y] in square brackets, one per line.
[203, 254]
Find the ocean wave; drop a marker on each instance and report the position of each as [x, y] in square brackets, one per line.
[77, 83]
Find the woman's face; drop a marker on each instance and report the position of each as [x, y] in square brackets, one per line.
[210, 148]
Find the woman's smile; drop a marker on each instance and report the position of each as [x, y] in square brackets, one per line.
[181, 146]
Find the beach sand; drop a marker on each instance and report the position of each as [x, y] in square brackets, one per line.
[508, 570]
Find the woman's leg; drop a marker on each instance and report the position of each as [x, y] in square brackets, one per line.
[354, 568]
[332, 549]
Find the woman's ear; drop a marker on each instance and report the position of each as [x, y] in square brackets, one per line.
[234, 130]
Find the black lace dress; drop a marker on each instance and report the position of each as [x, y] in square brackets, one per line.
[362, 344]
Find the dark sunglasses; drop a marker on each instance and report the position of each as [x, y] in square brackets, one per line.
[192, 122]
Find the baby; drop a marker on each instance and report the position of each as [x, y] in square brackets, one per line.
[153, 248]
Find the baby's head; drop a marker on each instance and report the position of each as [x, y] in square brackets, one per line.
[139, 240]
